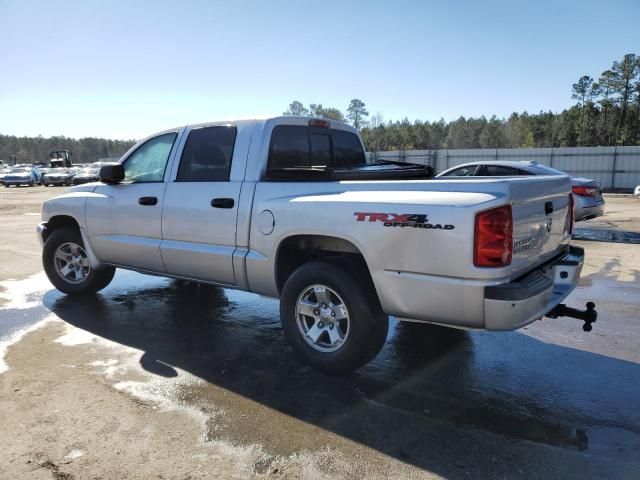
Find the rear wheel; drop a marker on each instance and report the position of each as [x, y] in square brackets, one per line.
[67, 265]
[333, 321]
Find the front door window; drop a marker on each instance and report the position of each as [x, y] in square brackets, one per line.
[148, 163]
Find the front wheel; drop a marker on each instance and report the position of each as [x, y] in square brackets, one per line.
[67, 265]
[333, 321]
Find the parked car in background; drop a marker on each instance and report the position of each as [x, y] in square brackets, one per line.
[86, 174]
[3, 173]
[637, 191]
[587, 193]
[43, 171]
[58, 176]
[22, 175]
[38, 173]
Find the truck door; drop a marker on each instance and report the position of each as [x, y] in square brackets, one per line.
[201, 207]
[124, 220]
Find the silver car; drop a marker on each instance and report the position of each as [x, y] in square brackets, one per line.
[587, 193]
[57, 177]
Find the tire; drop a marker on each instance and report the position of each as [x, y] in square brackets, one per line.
[62, 242]
[366, 324]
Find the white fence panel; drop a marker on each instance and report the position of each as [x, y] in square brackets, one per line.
[614, 167]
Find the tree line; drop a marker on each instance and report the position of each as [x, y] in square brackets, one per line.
[84, 150]
[606, 112]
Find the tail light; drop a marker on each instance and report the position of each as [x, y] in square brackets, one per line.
[571, 215]
[584, 191]
[493, 243]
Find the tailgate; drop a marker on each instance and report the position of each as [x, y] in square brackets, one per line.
[540, 207]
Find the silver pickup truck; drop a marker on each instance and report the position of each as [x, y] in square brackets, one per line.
[289, 208]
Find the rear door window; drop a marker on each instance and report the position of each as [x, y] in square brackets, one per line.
[207, 155]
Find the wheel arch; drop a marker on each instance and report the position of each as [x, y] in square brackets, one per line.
[60, 221]
[298, 249]
[64, 220]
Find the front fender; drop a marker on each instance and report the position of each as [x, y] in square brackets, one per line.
[60, 210]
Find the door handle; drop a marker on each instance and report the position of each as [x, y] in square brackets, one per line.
[223, 203]
[548, 208]
[148, 200]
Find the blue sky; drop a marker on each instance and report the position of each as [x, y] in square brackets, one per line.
[126, 68]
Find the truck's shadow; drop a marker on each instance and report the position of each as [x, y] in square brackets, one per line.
[508, 384]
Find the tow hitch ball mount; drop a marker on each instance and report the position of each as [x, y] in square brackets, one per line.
[589, 315]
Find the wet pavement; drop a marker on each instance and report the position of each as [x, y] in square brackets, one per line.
[510, 384]
[606, 235]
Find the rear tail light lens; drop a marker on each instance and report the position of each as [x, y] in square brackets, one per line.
[585, 191]
[493, 243]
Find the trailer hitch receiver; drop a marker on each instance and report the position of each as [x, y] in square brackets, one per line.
[589, 315]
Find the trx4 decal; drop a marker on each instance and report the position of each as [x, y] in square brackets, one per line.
[401, 220]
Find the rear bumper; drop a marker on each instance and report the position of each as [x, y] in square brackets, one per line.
[582, 213]
[17, 183]
[513, 305]
[57, 181]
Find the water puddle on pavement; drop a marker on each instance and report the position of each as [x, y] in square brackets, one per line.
[247, 387]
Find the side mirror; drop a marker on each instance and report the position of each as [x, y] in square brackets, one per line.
[112, 173]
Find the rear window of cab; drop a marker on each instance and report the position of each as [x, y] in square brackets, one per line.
[296, 146]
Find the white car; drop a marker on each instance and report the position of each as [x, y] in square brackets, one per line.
[287, 207]
[637, 191]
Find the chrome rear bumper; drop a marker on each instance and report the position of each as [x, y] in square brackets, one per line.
[513, 305]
